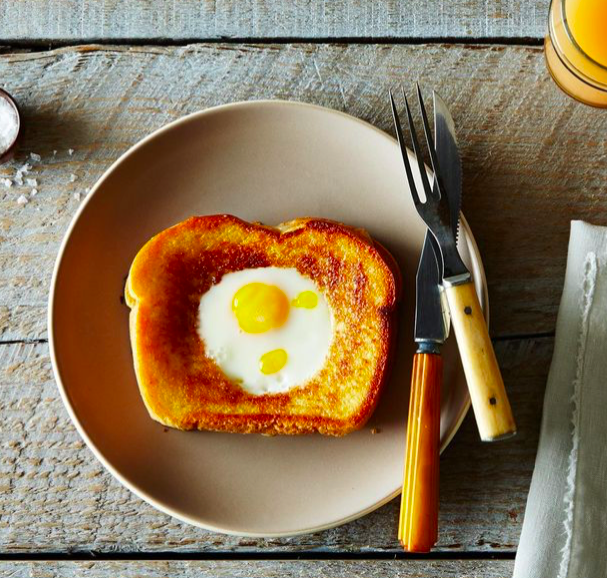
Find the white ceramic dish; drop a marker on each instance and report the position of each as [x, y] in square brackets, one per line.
[271, 162]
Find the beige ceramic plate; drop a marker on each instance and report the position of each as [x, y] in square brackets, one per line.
[266, 161]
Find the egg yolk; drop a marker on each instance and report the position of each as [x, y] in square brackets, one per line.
[259, 307]
[272, 361]
[306, 299]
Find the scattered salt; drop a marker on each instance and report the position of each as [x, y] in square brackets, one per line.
[22, 171]
[77, 196]
[34, 192]
[70, 152]
[22, 200]
[73, 177]
[7, 183]
[32, 182]
[35, 157]
[9, 125]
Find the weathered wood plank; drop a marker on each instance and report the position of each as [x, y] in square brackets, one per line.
[54, 495]
[191, 20]
[263, 569]
[533, 159]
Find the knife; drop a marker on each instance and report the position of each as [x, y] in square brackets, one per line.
[487, 392]
[493, 425]
[449, 160]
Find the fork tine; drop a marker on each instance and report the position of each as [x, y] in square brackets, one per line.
[403, 150]
[429, 142]
[418, 151]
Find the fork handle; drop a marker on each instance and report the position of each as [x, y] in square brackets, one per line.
[489, 399]
[418, 524]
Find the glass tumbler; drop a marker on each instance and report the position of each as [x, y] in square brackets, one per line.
[576, 49]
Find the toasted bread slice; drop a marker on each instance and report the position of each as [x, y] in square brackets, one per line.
[184, 388]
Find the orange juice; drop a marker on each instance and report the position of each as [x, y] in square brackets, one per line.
[587, 21]
[576, 49]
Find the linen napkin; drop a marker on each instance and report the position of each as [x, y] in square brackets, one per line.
[565, 528]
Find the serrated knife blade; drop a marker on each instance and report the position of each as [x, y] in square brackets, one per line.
[449, 160]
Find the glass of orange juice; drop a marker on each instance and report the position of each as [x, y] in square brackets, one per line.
[576, 49]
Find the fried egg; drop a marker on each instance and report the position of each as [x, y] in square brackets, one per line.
[268, 329]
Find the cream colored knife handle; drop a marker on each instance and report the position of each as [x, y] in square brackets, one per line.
[489, 400]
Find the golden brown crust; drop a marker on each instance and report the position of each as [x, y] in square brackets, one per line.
[184, 388]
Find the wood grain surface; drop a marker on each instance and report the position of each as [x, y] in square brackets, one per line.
[55, 495]
[533, 159]
[247, 569]
[186, 20]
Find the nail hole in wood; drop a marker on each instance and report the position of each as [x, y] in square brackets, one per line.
[492, 400]
[468, 310]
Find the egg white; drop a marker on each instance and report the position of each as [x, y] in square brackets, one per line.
[306, 335]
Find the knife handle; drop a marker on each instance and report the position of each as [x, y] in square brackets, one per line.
[489, 399]
[418, 524]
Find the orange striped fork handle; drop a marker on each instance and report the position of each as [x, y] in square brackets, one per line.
[418, 524]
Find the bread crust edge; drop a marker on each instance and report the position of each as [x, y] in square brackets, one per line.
[284, 424]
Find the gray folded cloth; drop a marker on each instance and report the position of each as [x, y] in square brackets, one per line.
[565, 528]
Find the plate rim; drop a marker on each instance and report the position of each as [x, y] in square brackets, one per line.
[65, 398]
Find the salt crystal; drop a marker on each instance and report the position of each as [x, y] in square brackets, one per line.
[22, 200]
[73, 177]
[22, 171]
[32, 182]
[35, 157]
[7, 183]
[9, 125]
[70, 152]
[77, 196]
[34, 192]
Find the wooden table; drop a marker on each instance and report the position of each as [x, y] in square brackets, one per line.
[94, 77]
